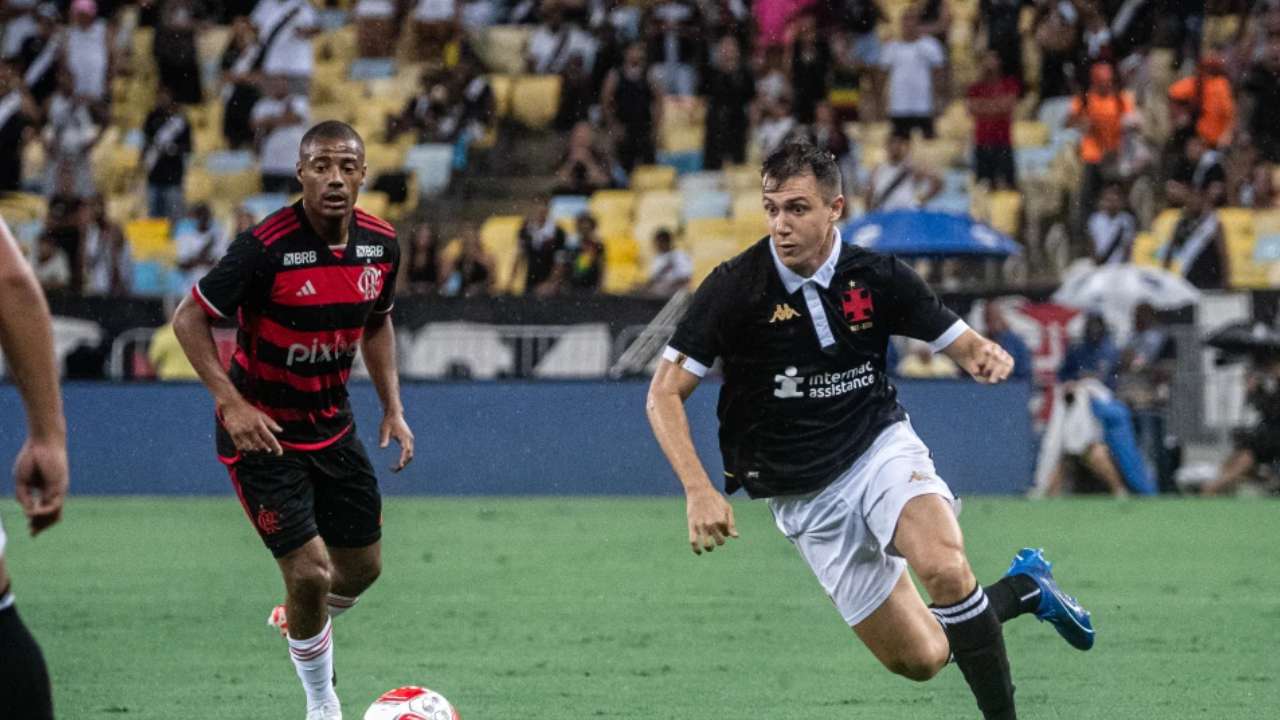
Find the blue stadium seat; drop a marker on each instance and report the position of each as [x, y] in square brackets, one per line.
[568, 207]
[432, 163]
[372, 69]
[228, 161]
[264, 204]
[151, 278]
[702, 181]
[707, 204]
[1033, 161]
[686, 161]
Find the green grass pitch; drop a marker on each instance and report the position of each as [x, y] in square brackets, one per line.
[595, 608]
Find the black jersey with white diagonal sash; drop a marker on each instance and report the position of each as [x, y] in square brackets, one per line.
[302, 309]
[805, 390]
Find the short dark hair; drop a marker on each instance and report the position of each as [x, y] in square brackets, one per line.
[796, 158]
[330, 130]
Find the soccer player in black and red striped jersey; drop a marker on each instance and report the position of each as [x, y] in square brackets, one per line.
[308, 287]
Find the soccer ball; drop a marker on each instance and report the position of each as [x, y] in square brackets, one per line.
[411, 703]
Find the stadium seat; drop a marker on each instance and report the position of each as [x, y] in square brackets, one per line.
[503, 47]
[568, 207]
[612, 210]
[383, 157]
[660, 206]
[747, 231]
[149, 239]
[501, 85]
[702, 181]
[363, 69]
[23, 207]
[263, 204]
[742, 179]
[1006, 212]
[500, 235]
[653, 177]
[432, 164]
[229, 161]
[684, 161]
[622, 264]
[198, 185]
[535, 100]
[1238, 231]
[151, 278]
[1030, 133]
[376, 203]
[747, 206]
[706, 204]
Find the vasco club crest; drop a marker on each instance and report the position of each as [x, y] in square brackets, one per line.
[857, 305]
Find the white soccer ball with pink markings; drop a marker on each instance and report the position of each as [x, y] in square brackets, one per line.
[411, 703]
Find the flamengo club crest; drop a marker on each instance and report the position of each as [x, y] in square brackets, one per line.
[370, 282]
[857, 305]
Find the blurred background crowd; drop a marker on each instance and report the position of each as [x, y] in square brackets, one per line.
[571, 150]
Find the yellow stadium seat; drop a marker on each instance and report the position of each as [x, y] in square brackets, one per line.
[535, 100]
[149, 239]
[198, 186]
[653, 177]
[622, 264]
[504, 45]
[1145, 249]
[1243, 271]
[1006, 211]
[1030, 133]
[747, 206]
[500, 235]
[22, 207]
[742, 179]
[938, 154]
[747, 231]
[612, 210]
[661, 206]
[381, 157]
[374, 202]
[501, 85]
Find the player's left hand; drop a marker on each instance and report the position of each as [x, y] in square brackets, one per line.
[394, 426]
[990, 363]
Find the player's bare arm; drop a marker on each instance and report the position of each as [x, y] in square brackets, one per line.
[26, 336]
[251, 429]
[710, 516]
[379, 348]
[984, 359]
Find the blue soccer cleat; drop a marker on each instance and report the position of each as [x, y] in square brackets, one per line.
[1070, 620]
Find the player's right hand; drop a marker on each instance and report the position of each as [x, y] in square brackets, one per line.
[40, 479]
[710, 520]
[251, 429]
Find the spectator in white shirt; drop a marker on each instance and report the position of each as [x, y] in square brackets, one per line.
[73, 127]
[912, 64]
[285, 29]
[279, 121]
[88, 51]
[897, 184]
[555, 41]
[200, 243]
[670, 270]
[1112, 228]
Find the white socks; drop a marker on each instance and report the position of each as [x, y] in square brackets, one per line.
[313, 659]
[339, 604]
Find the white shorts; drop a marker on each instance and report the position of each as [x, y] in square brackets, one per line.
[845, 531]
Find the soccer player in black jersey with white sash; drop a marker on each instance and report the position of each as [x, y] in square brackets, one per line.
[308, 286]
[809, 420]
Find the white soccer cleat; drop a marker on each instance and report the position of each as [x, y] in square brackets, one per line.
[278, 621]
[326, 711]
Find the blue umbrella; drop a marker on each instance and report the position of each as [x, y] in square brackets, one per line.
[924, 232]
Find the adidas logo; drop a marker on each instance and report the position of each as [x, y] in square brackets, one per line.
[306, 290]
[783, 312]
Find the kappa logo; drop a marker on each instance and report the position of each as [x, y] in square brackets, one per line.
[305, 257]
[782, 313]
[919, 476]
[307, 290]
[370, 283]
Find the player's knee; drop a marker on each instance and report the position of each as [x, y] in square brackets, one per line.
[312, 578]
[948, 577]
[917, 666]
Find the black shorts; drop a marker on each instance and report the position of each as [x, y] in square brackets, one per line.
[1261, 440]
[291, 498]
[904, 124]
[995, 164]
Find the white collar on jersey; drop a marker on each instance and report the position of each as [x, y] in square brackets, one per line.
[792, 280]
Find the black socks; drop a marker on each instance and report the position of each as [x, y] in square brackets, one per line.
[1013, 595]
[24, 680]
[977, 644]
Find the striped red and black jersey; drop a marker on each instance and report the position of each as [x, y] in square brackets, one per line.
[302, 309]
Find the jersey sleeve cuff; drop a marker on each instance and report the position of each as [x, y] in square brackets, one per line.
[383, 311]
[952, 334]
[204, 303]
[685, 361]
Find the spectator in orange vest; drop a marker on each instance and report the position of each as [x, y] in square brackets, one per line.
[1100, 115]
[1206, 98]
